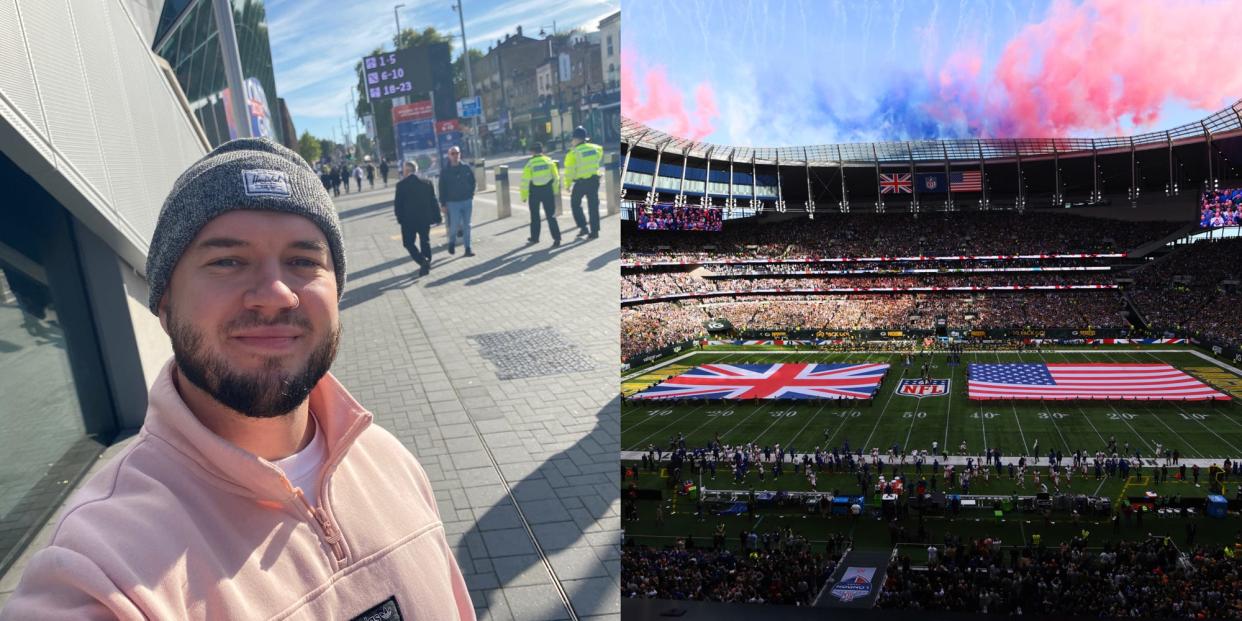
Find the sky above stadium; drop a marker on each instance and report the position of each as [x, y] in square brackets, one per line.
[315, 43]
[786, 73]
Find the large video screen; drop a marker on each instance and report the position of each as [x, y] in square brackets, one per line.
[671, 218]
[1221, 208]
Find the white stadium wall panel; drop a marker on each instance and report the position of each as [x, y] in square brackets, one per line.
[86, 110]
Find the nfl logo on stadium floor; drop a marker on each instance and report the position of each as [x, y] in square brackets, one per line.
[923, 388]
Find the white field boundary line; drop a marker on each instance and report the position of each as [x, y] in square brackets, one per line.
[626, 378]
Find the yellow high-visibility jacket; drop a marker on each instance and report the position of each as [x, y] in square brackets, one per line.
[582, 161]
[540, 170]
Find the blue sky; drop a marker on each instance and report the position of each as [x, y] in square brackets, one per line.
[315, 43]
[789, 72]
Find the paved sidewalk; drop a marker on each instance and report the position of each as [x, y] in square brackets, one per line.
[525, 468]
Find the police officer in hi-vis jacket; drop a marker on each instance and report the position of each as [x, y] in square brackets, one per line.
[582, 169]
[540, 183]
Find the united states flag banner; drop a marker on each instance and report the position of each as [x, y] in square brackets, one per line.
[1102, 381]
[966, 181]
[772, 381]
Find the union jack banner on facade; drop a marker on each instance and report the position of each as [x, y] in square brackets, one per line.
[896, 184]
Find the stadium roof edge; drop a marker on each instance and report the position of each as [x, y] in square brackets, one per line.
[1223, 123]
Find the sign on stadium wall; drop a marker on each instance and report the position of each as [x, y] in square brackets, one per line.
[652, 356]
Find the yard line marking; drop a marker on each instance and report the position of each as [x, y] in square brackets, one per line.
[638, 446]
[810, 418]
[1188, 445]
[775, 420]
[1103, 442]
[1100, 486]
[1201, 424]
[1226, 408]
[1026, 448]
[1068, 448]
[844, 414]
[867, 442]
[948, 415]
[748, 416]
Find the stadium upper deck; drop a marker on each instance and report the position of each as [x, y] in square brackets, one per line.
[934, 175]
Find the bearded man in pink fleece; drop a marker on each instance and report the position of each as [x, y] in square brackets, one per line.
[258, 487]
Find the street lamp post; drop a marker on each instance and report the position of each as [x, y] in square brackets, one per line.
[560, 117]
[465, 51]
[397, 17]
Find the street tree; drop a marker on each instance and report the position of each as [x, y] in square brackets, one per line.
[308, 147]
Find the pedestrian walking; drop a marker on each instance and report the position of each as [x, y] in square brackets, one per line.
[582, 169]
[457, 199]
[416, 210]
[370, 176]
[540, 183]
[384, 171]
[358, 176]
[255, 487]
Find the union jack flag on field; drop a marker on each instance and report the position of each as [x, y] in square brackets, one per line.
[772, 381]
[899, 183]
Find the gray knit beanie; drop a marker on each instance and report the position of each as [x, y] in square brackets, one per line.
[247, 173]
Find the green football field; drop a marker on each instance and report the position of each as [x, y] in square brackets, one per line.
[1211, 430]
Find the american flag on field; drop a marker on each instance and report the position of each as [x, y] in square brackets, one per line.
[1064, 381]
[772, 381]
[966, 181]
[896, 184]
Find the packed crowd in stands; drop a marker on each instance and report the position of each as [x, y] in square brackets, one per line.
[1184, 291]
[871, 235]
[671, 218]
[655, 285]
[1149, 579]
[1221, 208]
[649, 327]
[780, 570]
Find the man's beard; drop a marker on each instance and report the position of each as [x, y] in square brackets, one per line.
[266, 393]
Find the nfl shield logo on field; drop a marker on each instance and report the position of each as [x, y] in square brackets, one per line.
[919, 388]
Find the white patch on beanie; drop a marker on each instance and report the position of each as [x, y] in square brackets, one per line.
[266, 183]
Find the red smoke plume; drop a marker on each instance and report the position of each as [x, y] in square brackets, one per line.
[647, 96]
[1087, 65]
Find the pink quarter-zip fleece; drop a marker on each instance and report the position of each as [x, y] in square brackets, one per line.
[185, 525]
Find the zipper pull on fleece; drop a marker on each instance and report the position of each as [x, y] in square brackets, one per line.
[330, 532]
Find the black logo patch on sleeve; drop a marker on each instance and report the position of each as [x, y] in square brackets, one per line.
[387, 610]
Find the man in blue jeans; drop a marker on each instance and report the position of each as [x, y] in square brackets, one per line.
[457, 198]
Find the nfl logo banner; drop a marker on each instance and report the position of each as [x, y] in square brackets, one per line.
[919, 388]
[854, 584]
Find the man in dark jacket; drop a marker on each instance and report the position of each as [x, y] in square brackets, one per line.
[416, 209]
[457, 198]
